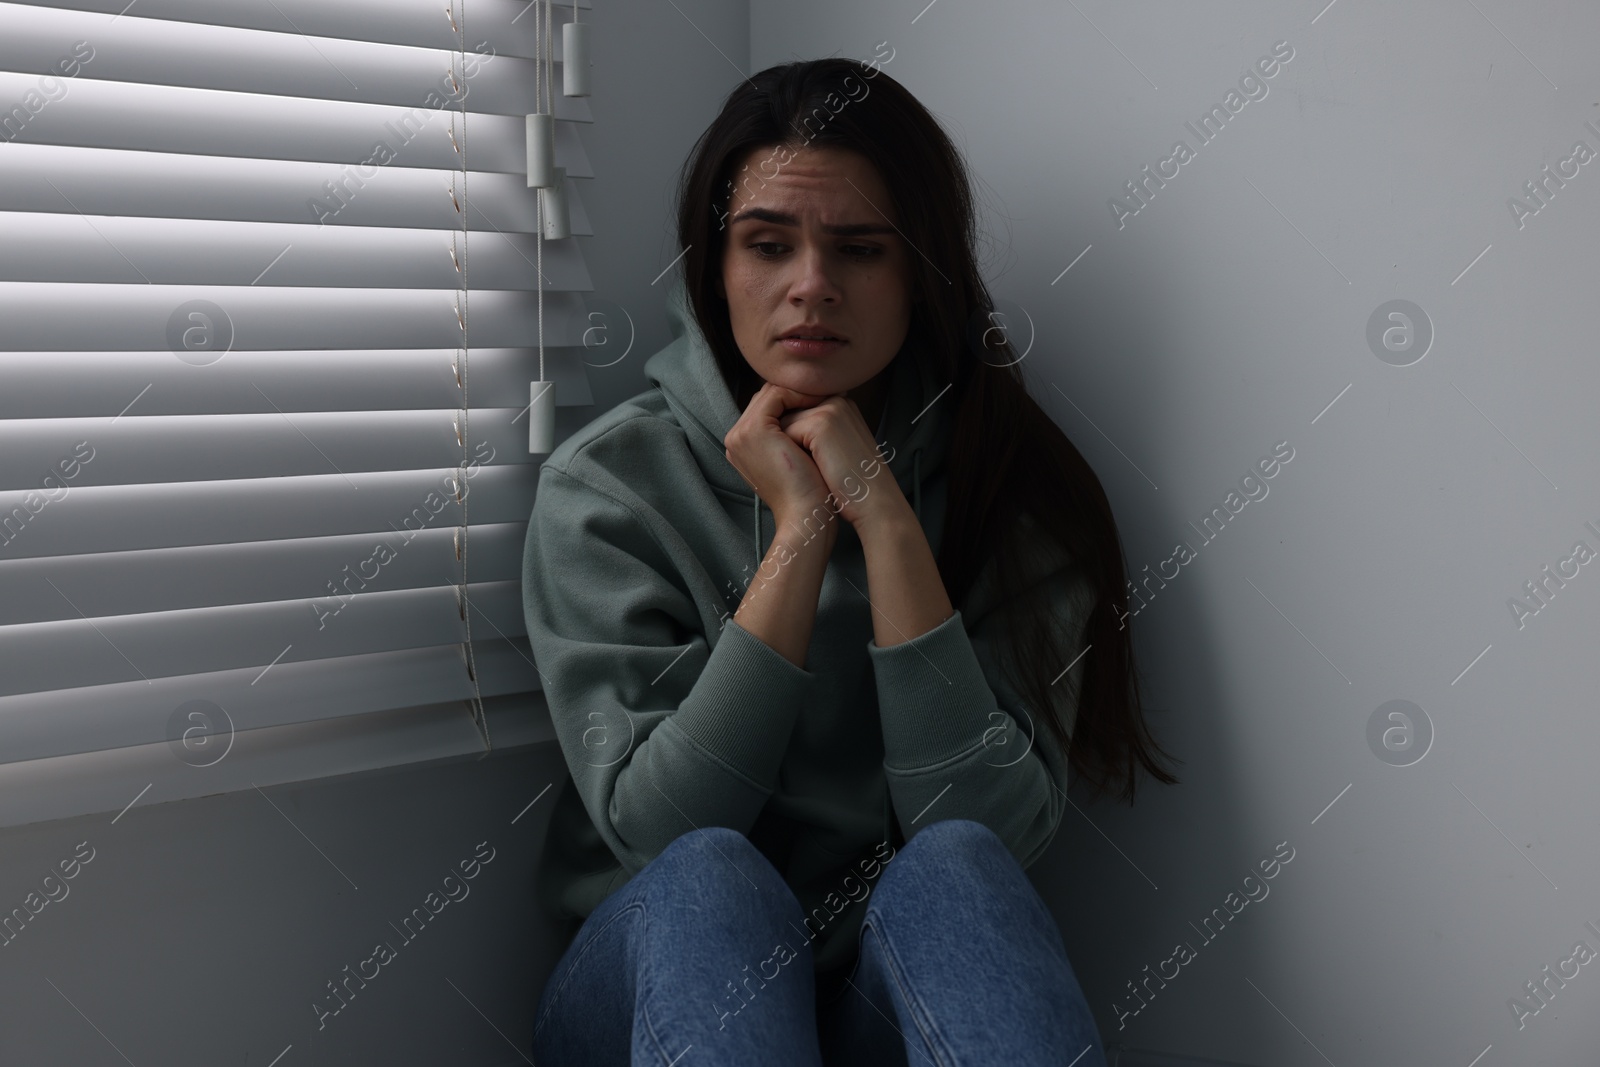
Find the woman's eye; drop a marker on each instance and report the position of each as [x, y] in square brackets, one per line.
[854, 251]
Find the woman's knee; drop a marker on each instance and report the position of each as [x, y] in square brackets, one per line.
[721, 864]
[956, 840]
[707, 842]
[945, 851]
[952, 879]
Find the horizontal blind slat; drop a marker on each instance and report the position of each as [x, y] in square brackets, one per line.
[100, 783]
[118, 518]
[161, 120]
[72, 46]
[94, 718]
[91, 182]
[138, 449]
[509, 23]
[40, 316]
[70, 248]
[39, 657]
[56, 385]
[58, 588]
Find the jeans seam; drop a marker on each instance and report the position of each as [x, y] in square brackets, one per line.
[577, 960]
[930, 1032]
[643, 985]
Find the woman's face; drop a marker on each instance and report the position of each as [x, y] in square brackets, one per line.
[815, 246]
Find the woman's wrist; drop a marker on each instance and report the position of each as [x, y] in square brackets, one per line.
[892, 514]
[779, 605]
[796, 522]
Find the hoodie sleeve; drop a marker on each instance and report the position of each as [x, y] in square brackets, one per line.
[957, 742]
[662, 731]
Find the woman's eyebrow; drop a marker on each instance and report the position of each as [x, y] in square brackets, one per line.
[780, 218]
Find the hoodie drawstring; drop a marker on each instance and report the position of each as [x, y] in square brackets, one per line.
[756, 500]
[916, 483]
[916, 502]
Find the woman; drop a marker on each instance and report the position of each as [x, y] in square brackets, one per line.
[817, 731]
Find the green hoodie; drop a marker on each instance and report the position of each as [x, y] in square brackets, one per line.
[672, 716]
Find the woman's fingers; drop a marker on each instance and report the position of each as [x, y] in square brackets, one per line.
[777, 467]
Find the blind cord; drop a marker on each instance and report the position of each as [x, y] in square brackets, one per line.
[463, 604]
[539, 46]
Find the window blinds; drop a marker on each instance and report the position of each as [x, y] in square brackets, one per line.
[233, 381]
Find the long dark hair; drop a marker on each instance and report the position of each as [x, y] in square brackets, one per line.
[1006, 456]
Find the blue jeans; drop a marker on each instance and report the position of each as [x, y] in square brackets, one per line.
[960, 963]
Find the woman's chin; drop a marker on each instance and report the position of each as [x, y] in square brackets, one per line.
[811, 382]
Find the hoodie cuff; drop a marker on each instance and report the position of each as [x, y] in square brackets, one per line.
[744, 705]
[933, 698]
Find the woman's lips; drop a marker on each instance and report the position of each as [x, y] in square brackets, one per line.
[801, 347]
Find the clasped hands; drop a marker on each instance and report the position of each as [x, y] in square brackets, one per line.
[800, 452]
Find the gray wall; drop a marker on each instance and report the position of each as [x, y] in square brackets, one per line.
[1223, 318]
[661, 73]
[203, 931]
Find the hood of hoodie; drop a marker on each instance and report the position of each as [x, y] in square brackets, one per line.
[913, 428]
